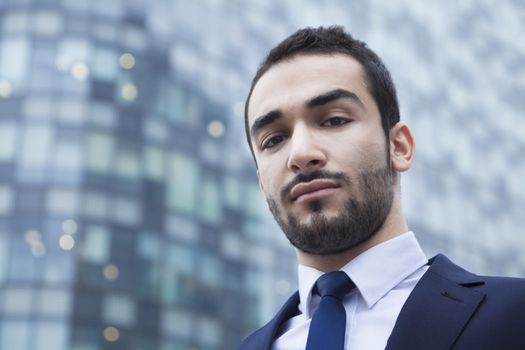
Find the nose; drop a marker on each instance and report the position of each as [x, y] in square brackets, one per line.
[306, 155]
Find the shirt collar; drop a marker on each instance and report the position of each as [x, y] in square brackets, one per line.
[375, 272]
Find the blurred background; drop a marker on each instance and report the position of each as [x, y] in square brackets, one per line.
[130, 215]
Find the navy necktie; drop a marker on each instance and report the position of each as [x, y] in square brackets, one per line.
[328, 325]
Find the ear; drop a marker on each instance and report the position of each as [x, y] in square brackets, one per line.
[402, 147]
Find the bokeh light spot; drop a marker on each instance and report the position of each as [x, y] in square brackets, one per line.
[129, 91]
[127, 60]
[111, 334]
[110, 272]
[66, 242]
[216, 128]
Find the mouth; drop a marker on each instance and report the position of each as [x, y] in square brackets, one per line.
[313, 190]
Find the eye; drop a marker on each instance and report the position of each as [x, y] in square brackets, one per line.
[336, 121]
[272, 142]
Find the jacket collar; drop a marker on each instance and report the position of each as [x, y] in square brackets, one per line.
[433, 316]
[438, 308]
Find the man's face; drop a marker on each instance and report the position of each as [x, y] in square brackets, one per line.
[321, 152]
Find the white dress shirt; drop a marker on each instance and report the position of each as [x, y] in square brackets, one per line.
[384, 275]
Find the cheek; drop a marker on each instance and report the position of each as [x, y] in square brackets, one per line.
[273, 172]
[267, 176]
[358, 151]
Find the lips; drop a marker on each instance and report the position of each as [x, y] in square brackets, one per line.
[312, 187]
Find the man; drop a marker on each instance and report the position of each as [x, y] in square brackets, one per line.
[322, 121]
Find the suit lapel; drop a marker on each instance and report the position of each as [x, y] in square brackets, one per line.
[264, 337]
[438, 308]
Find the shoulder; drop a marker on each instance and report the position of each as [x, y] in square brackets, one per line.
[500, 292]
[508, 289]
[441, 265]
[513, 282]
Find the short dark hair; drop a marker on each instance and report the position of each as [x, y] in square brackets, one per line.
[334, 40]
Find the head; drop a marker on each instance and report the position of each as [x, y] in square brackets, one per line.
[322, 122]
[330, 41]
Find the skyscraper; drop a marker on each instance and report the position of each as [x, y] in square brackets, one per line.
[127, 218]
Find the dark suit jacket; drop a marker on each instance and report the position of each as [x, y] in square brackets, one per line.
[449, 308]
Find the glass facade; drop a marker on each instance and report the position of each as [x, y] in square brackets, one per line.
[130, 214]
[121, 218]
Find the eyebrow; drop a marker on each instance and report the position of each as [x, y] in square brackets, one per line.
[316, 101]
[264, 120]
[332, 96]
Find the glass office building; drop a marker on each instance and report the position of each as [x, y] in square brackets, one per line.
[130, 214]
[127, 218]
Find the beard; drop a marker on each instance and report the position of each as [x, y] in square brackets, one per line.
[358, 220]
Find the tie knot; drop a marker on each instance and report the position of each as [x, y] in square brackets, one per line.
[336, 284]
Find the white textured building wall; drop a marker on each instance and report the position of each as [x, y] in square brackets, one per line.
[459, 68]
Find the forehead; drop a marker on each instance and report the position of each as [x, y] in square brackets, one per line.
[290, 83]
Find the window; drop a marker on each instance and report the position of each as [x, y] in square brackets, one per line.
[77, 6]
[71, 111]
[105, 31]
[37, 107]
[15, 22]
[54, 303]
[15, 335]
[100, 149]
[177, 323]
[103, 115]
[22, 265]
[62, 201]
[105, 64]
[51, 335]
[17, 301]
[36, 145]
[182, 183]
[232, 191]
[59, 268]
[168, 285]
[85, 338]
[210, 332]
[127, 164]
[95, 205]
[67, 155]
[181, 228]
[119, 309]
[210, 152]
[254, 205]
[7, 141]
[155, 130]
[148, 246]
[131, 36]
[40, 80]
[95, 247]
[113, 9]
[47, 23]
[14, 59]
[180, 258]
[210, 269]
[71, 51]
[210, 206]
[231, 245]
[154, 162]
[4, 256]
[126, 211]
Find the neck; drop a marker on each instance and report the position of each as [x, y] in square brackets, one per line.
[394, 225]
